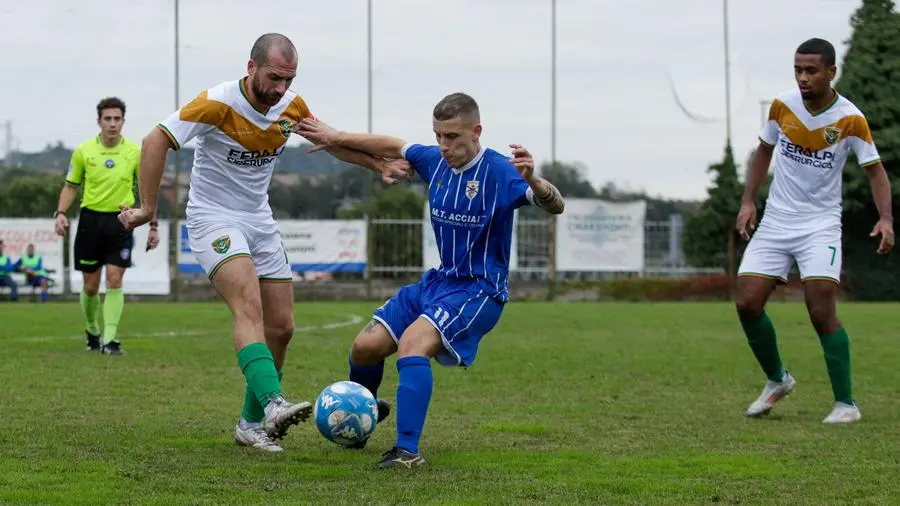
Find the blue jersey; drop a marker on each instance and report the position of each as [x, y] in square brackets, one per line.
[472, 210]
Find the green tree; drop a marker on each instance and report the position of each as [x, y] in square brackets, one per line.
[29, 196]
[706, 233]
[870, 77]
[393, 244]
[570, 179]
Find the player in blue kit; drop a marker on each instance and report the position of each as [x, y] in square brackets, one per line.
[473, 193]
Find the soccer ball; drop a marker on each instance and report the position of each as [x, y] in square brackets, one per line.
[346, 413]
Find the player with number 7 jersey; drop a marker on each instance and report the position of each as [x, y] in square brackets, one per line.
[811, 131]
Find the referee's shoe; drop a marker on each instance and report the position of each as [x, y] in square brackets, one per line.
[93, 342]
[113, 347]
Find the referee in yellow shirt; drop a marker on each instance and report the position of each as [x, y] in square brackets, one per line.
[106, 168]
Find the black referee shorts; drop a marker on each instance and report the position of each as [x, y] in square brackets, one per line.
[100, 240]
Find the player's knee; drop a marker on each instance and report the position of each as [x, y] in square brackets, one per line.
[113, 277]
[420, 340]
[281, 331]
[748, 308]
[91, 286]
[372, 345]
[823, 318]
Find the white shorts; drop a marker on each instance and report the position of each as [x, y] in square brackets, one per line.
[773, 249]
[215, 243]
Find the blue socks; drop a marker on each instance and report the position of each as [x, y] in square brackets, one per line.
[368, 376]
[413, 397]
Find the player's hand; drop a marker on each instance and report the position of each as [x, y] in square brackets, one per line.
[746, 218]
[523, 161]
[316, 132]
[133, 218]
[62, 225]
[392, 171]
[152, 239]
[884, 228]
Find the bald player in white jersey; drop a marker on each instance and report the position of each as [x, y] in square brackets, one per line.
[241, 128]
[812, 131]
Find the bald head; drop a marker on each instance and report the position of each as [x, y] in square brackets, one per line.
[272, 43]
[271, 69]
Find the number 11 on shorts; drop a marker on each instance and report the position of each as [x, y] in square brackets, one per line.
[440, 316]
[833, 253]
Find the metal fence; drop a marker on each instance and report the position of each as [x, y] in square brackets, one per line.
[403, 254]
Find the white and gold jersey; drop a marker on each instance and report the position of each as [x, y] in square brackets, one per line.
[810, 152]
[237, 149]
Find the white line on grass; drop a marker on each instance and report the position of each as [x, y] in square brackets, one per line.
[350, 320]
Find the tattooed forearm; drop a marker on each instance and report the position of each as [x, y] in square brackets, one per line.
[548, 198]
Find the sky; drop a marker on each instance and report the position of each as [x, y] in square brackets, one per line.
[617, 66]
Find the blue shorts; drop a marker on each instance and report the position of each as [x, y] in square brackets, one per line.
[460, 310]
[35, 281]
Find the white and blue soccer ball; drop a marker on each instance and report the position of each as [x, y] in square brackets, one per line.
[346, 413]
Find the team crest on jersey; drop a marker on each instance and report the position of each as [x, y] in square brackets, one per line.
[110, 164]
[471, 189]
[222, 244]
[831, 134]
[285, 126]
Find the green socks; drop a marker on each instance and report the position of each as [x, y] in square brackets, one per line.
[836, 348]
[258, 366]
[761, 337]
[89, 307]
[253, 411]
[112, 312]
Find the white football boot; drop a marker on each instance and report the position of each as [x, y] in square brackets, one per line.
[772, 393]
[281, 415]
[843, 413]
[254, 436]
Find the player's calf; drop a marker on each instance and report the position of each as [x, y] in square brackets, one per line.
[753, 292]
[821, 298]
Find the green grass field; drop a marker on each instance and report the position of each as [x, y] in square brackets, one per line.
[567, 403]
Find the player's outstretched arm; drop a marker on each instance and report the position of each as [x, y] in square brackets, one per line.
[153, 163]
[546, 196]
[325, 137]
[391, 171]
